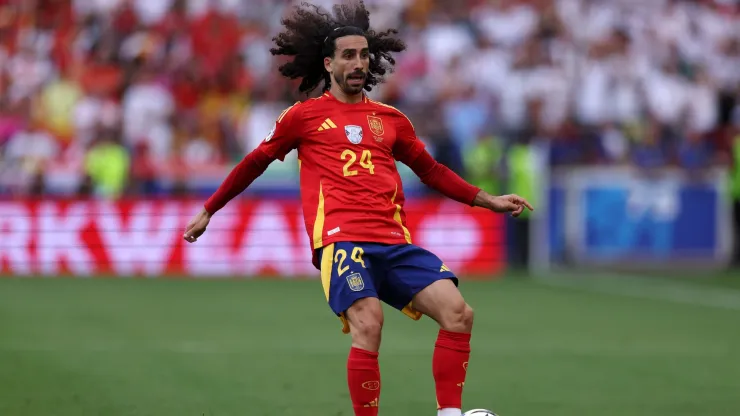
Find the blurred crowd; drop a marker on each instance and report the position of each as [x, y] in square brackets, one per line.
[114, 97]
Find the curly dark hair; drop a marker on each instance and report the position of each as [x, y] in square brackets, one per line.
[310, 35]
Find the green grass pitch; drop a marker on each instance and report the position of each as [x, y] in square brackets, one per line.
[572, 347]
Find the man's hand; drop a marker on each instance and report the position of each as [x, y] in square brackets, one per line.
[506, 203]
[197, 226]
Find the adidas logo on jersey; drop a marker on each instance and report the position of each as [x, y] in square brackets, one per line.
[444, 268]
[327, 124]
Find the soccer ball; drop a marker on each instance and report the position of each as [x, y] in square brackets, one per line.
[479, 412]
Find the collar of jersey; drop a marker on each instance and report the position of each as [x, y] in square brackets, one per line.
[331, 96]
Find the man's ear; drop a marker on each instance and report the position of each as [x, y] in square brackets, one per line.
[327, 64]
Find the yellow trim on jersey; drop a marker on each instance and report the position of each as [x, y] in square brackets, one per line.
[318, 225]
[393, 108]
[280, 117]
[327, 256]
[397, 217]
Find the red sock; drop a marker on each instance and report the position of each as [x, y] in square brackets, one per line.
[449, 366]
[363, 378]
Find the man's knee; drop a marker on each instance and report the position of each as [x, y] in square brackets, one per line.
[366, 323]
[368, 326]
[458, 318]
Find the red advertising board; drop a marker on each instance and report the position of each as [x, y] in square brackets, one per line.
[248, 238]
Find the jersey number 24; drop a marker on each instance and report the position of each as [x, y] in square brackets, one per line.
[351, 157]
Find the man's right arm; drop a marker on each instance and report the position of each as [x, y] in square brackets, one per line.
[243, 174]
[279, 142]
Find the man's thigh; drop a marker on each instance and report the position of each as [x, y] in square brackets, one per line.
[412, 269]
[440, 301]
[347, 276]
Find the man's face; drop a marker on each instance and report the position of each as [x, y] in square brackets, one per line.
[350, 63]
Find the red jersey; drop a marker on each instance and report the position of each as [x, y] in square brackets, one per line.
[350, 187]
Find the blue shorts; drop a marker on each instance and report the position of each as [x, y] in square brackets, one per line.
[391, 273]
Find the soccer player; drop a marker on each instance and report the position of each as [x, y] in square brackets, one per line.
[353, 199]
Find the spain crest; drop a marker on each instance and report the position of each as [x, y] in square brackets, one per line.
[376, 125]
[354, 133]
[355, 282]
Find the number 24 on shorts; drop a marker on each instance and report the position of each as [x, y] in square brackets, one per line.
[341, 255]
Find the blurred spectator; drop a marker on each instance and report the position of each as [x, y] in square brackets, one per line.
[147, 107]
[482, 163]
[56, 105]
[107, 163]
[143, 180]
[694, 152]
[192, 86]
[650, 150]
[25, 154]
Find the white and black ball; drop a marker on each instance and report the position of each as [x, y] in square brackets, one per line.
[479, 412]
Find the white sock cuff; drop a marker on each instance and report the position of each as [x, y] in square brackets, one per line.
[449, 412]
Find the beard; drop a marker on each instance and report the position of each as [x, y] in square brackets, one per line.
[346, 87]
